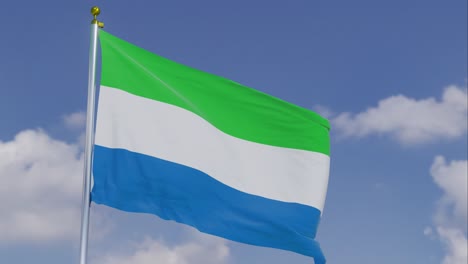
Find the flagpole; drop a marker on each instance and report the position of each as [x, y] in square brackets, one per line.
[90, 120]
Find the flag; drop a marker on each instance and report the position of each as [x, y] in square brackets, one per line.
[208, 152]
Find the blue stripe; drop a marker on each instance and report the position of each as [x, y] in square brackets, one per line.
[135, 182]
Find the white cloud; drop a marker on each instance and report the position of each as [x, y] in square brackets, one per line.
[75, 120]
[428, 231]
[453, 180]
[41, 188]
[201, 249]
[451, 212]
[456, 245]
[324, 111]
[409, 120]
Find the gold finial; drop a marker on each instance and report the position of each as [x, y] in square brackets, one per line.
[95, 11]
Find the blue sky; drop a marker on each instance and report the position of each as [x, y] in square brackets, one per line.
[391, 76]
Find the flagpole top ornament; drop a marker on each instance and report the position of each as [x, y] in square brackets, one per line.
[95, 11]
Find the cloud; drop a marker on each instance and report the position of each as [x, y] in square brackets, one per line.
[428, 232]
[200, 249]
[75, 120]
[409, 120]
[324, 111]
[41, 188]
[41, 192]
[451, 213]
[456, 245]
[453, 180]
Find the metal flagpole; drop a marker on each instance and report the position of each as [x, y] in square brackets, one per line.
[95, 24]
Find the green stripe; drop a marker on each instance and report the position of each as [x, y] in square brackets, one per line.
[235, 109]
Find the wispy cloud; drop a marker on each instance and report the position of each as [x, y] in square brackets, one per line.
[75, 120]
[409, 120]
[324, 111]
[200, 249]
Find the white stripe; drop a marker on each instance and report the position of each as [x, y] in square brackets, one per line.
[171, 133]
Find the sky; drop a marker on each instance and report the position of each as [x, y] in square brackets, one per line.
[391, 76]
